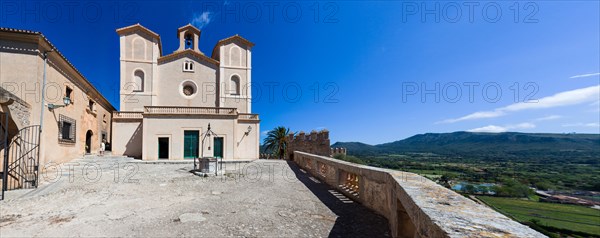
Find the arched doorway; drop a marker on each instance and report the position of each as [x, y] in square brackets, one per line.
[88, 141]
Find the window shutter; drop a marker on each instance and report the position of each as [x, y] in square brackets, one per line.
[60, 128]
[72, 136]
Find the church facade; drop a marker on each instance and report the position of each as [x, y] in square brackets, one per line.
[168, 102]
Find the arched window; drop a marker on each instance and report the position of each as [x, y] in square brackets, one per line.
[234, 86]
[188, 66]
[235, 56]
[189, 41]
[139, 48]
[138, 81]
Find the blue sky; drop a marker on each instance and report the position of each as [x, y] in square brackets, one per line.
[368, 72]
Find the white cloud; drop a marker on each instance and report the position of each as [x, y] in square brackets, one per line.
[264, 132]
[476, 115]
[579, 124]
[525, 125]
[548, 118]
[566, 98]
[584, 75]
[498, 129]
[490, 128]
[201, 20]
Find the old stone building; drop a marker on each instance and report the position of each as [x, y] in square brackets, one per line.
[61, 118]
[168, 101]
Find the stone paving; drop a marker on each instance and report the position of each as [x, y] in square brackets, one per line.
[265, 198]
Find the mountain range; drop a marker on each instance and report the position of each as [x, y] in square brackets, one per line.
[507, 145]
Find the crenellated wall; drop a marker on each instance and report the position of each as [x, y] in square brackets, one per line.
[413, 205]
[315, 143]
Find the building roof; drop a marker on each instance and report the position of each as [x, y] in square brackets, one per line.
[138, 26]
[188, 27]
[230, 39]
[103, 100]
[200, 55]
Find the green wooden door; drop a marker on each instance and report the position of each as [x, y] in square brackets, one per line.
[218, 147]
[190, 144]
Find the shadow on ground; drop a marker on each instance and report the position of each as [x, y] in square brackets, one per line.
[354, 220]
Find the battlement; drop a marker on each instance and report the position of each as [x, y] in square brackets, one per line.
[336, 151]
[315, 142]
[314, 137]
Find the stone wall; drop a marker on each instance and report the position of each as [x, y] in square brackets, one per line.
[413, 205]
[20, 111]
[315, 143]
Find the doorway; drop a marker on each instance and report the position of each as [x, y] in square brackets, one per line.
[163, 147]
[218, 142]
[88, 141]
[190, 144]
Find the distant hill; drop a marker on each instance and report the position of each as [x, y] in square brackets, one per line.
[508, 145]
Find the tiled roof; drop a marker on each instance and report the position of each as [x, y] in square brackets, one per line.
[138, 26]
[52, 47]
[230, 39]
[188, 51]
[190, 27]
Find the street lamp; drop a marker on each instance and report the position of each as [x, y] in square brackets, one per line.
[249, 130]
[66, 101]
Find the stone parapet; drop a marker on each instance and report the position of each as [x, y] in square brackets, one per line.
[414, 206]
[316, 142]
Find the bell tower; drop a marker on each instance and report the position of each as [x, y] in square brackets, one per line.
[189, 36]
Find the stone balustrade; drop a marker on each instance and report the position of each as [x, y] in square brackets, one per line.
[248, 117]
[190, 110]
[149, 110]
[127, 115]
[414, 206]
[163, 110]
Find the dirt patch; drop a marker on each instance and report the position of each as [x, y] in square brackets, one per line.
[58, 219]
[8, 219]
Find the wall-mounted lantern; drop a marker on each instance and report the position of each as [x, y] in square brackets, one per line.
[66, 101]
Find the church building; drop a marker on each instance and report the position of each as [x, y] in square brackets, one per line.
[168, 103]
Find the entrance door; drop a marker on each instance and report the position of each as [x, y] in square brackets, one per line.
[218, 147]
[163, 147]
[190, 144]
[88, 142]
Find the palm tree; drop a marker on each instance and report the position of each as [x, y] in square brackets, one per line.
[277, 141]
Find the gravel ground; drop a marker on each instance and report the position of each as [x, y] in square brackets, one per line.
[265, 198]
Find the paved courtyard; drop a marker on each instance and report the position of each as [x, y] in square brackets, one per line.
[114, 196]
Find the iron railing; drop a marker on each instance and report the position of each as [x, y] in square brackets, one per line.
[3, 151]
[22, 162]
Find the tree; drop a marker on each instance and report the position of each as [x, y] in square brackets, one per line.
[277, 141]
[469, 188]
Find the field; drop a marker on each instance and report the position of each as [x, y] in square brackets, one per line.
[545, 175]
[562, 216]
